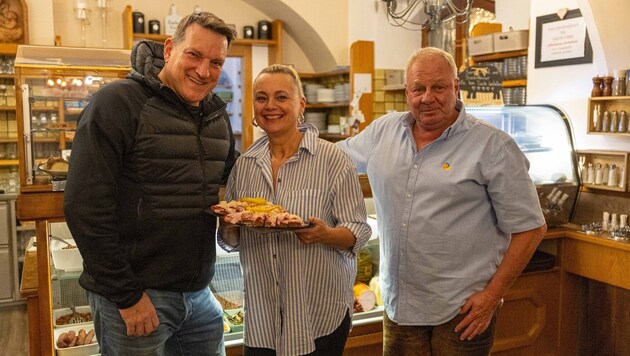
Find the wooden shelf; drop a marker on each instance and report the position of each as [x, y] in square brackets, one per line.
[393, 87]
[7, 108]
[608, 98]
[8, 48]
[8, 139]
[618, 158]
[6, 76]
[44, 108]
[514, 83]
[8, 162]
[499, 56]
[610, 104]
[339, 104]
[238, 41]
[332, 73]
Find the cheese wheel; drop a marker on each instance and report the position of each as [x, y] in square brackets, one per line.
[364, 296]
[375, 286]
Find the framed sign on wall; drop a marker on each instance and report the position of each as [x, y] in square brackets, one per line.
[562, 39]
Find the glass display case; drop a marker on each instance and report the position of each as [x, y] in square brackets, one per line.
[53, 85]
[544, 134]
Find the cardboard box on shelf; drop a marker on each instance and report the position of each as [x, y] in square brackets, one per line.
[481, 45]
[510, 41]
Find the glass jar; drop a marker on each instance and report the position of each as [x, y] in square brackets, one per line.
[619, 83]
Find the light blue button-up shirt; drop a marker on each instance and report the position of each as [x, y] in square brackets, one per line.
[445, 213]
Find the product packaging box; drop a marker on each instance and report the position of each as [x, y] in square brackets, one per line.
[480, 45]
[510, 41]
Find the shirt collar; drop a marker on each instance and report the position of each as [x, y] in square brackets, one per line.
[260, 148]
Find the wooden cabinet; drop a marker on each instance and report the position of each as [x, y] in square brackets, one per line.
[61, 81]
[8, 122]
[618, 106]
[53, 85]
[361, 63]
[606, 161]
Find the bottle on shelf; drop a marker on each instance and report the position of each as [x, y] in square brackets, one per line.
[619, 83]
[43, 121]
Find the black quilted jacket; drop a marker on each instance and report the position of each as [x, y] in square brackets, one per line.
[144, 167]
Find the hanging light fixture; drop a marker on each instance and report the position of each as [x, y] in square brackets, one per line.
[436, 11]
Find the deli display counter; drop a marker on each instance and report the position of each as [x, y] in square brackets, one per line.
[544, 134]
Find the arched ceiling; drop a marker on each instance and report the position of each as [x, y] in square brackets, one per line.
[301, 31]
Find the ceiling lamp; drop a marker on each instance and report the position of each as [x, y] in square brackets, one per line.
[436, 12]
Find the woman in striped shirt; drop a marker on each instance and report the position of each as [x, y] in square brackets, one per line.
[298, 284]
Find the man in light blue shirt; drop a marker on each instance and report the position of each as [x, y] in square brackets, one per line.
[458, 214]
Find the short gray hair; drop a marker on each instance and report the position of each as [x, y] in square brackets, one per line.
[432, 51]
[206, 20]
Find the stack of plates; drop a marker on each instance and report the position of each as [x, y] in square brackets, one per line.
[514, 96]
[342, 92]
[310, 91]
[325, 95]
[317, 119]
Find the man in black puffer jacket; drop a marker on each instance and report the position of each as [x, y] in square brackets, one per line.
[149, 154]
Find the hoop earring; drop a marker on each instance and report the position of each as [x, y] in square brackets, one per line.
[254, 121]
[301, 119]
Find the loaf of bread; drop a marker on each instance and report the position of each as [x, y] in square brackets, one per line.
[57, 164]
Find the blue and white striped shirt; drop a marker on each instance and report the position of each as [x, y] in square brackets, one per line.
[295, 293]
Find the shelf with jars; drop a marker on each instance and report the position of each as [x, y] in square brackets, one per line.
[54, 84]
[274, 44]
[605, 170]
[608, 115]
[329, 94]
[513, 68]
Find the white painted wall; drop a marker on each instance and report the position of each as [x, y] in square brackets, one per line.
[392, 45]
[40, 23]
[569, 87]
[513, 13]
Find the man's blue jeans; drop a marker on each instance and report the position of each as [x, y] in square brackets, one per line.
[190, 324]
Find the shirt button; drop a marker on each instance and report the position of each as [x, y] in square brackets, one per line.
[404, 225]
[415, 166]
[408, 195]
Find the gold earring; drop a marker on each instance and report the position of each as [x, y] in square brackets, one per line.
[301, 119]
[254, 121]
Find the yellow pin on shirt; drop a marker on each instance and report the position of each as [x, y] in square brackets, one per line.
[446, 166]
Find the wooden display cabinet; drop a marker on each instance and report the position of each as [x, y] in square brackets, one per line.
[618, 158]
[610, 104]
[361, 62]
[53, 85]
[40, 74]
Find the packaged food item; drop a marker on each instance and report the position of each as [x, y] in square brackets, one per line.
[364, 265]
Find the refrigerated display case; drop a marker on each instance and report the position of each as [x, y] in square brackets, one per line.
[544, 134]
